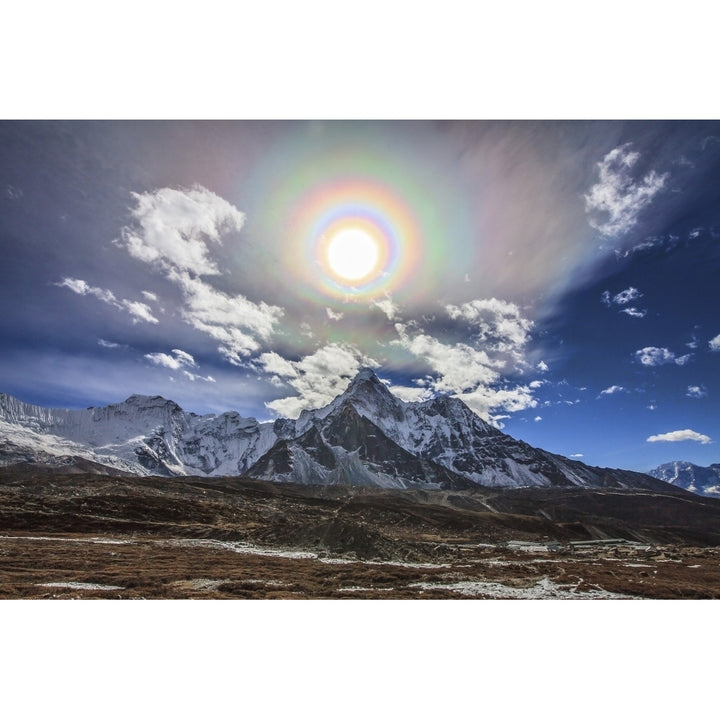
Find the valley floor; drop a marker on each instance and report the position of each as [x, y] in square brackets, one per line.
[77, 566]
[86, 536]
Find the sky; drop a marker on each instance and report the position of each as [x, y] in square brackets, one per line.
[560, 277]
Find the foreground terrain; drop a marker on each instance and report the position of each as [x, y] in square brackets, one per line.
[94, 536]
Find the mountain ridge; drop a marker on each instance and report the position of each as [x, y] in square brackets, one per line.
[365, 436]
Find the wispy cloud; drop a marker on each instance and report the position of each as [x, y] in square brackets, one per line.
[696, 391]
[391, 310]
[577, 455]
[108, 344]
[612, 390]
[139, 311]
[715, 343]
[679, 436]
[176, 361]
[615, 202]
[654, 356]
[623, 298]
[634, 312]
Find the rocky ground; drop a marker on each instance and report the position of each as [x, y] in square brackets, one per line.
[93, 536]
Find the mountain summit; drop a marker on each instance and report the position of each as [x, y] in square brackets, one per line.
[365, 436]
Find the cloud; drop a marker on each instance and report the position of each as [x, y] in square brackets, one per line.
[387, 306]
[696, 391]
[152, 297]
[499, 324]
[180, 359]
[13, 193]
[538, 418]
[108, 344]
[484, 399]
[173, 227]
[623, 298]
[535, 384]
[612, 390]
[542, 366]
[654, 356]
[318, 378]
[138, 310]
[411, 394]
[333, 315]
[171, 232]
[634, 312]
[192, 377]
[679, 436]
[715, 343]
[626, 296]
[459, 366]
[618, 197]
[577, 455]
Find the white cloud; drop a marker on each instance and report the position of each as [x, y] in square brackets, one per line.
[108, 344]
[715, 343]
[484, 399]
[500, 324]
[618, 197]
[679, 436]
[626, 296]
[542, 367]
[152, 297]
[180, 359]
[623, 298]
[577, 455]
[612, 390]
[411, 394]
[538, 418]
[535, 384]
[460, 367]
[333, 315]
[173, 231]
[233, 320]
[138, 310]
[387, 306]
[192, 377]
[634, 312]
[654, 356]
[318, 378]
[173, 227]
[696, 391]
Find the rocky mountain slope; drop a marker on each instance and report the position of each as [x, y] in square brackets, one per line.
[366, 436]
[695, 478]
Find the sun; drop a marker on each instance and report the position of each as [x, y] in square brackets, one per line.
[353, 253]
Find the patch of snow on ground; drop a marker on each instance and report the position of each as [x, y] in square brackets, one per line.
[544, 589]
[80, 586]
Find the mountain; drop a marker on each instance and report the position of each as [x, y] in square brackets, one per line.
[365, 436]
[695, 478]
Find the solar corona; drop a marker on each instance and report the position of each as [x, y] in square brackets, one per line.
[355, 238]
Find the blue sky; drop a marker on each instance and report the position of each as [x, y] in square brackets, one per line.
[560, 277]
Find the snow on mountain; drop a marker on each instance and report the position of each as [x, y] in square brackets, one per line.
[695, 478]
[365, 436]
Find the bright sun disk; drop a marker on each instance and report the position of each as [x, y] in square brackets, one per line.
[352, 253]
